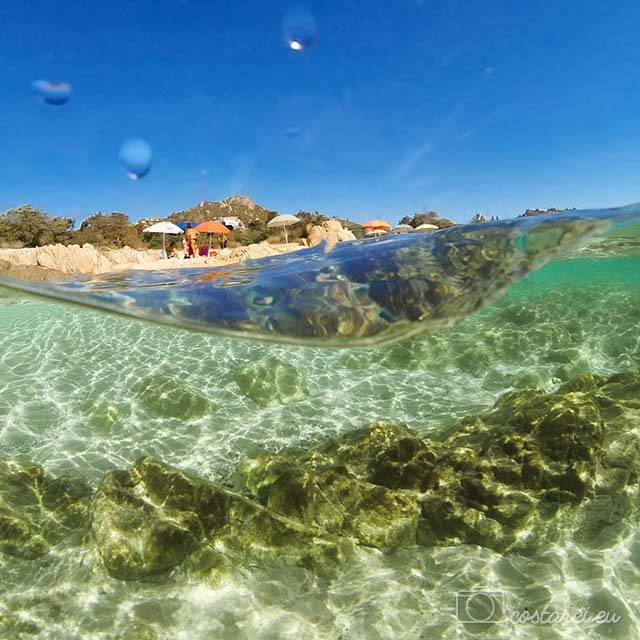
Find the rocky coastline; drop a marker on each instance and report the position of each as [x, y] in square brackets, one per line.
[59, 262]
[56, 260]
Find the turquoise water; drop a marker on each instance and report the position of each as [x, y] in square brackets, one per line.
[83, 392]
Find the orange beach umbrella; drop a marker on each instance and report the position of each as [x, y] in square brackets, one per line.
[211, 226]
[377, 224]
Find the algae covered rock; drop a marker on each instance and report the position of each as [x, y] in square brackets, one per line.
[166, 396]
[531, 448]
[103, 415]
[536, 466]
[508, 479]
[331, 486]
[499, 479]
[135, 537]
[536, 454]
[361, 448]
[271, 381]
[152, 518]
[408, 463]
[316, 490]
[38, 510]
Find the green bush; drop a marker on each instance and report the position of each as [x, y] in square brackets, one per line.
[112, 230]
[427, 217]
[27, 226]
[255, 231]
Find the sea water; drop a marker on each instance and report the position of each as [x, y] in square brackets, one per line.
[83, 392]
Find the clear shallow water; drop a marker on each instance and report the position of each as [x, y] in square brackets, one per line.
[79, 394]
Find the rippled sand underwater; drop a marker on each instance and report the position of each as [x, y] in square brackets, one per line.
[83, 393]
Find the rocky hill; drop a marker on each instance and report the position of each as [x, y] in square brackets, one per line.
[241, 207]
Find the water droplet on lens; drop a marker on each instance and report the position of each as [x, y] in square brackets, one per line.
[55, 93]
[135, 155]
[300, 29]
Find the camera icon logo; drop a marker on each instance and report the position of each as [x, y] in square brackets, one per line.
[480, 606]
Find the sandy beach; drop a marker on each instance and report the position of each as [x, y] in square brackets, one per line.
[222, 258]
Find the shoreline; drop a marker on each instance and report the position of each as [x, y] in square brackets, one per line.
[234, 256]
[59, 262]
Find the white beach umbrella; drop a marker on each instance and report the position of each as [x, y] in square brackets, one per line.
[283, 221]
[164, 227]
[427, 227]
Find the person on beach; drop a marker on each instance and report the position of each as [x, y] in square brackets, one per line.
[190, 236]
[185, 246]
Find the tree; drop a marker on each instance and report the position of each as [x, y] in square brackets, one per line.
[255, 231]
[31, 227]
[427, 217]
[110, 230]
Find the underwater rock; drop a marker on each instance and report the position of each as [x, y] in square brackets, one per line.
[38, 510]
[408, 463]
[409, 355]
[151, 518]
[623, 388]
[271, 381]
[526, 457]
[475, 360]
[538, 454]
[319, 491]
[136, 538]
[209, 565]
[20, 537]
[497, 478]
[166, 396]
[103, 415]
[536, 466]
[359, 449]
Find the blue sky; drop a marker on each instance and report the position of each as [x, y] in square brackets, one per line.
[459, 106]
